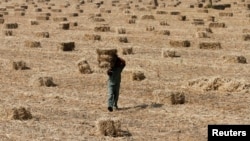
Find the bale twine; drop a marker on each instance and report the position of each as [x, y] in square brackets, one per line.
[66, 46]
[108, 127]
[84, 67]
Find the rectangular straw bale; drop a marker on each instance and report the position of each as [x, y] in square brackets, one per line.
[210, 45]
[179, 43]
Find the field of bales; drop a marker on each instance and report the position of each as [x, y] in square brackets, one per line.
[187, 66]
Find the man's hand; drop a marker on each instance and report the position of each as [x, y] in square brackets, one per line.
[109, 72]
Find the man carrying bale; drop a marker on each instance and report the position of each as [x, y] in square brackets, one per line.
[108, 59]
[114, 80]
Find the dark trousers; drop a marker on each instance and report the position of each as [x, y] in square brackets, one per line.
[113, 95]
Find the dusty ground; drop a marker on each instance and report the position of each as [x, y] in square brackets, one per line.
[216, 89]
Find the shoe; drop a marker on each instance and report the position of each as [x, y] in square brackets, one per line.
[110, 109]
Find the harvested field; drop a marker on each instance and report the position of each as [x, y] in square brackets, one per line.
[187, 66]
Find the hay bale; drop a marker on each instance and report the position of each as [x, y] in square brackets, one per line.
[72, 24]
[73, 14]
[106, 57]
[182, 18]
[10, 25]
[226, 14]
[32, 44]
[60, 19]
[202, 10]
[217, 25]
[245, 31]
[210, 45]
[2, 20]
[164, 32]
[219, 84]
[64, 25]
[84, 67]
[7, 32]
[121, 30]
[169, 53]
[66, 46]
[211, 18]
[246, 37]
[148, 17]
[19, 65]
[34, 22]
[42, 18]
[161, 12]
[206, 30]
[93, 37]
[44, 81]
[180, 43]
[108, 127]
[150, 28]
[56, 10]
[177, 98]
[102, 28]
[20, 113]
[131, 21]
[127, 50]
[175, 13]
[201, 35]
[42, 34]
[18, 13]
[98, 19]
[164, 23]
[234, 59]
[198, 22]
[138, 76]
[123, 39]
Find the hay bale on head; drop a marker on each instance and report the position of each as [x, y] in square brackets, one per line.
[177, 98]
[106, 57]
[84, 66]
[21, 114]
[66, 46]
[108, 127]
[19, 65]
